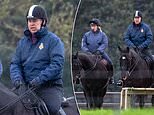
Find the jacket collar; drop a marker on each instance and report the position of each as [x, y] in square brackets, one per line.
[42, 32]
[96, 31]
[137, 25]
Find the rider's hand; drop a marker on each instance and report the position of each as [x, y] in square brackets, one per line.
[18, 83]
[135, 48]
[140, 48]
[148, 59]
[35, 82]
[97, 52]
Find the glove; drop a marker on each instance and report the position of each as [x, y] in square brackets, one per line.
[140, 48]
[97, 52]
[18, 83]
[135, 48]
[35, 82]
[148, 59]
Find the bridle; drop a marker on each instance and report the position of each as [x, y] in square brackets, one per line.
[130, 67]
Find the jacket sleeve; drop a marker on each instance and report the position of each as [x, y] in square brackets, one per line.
[103, 44]
[149, 38]
[84, 46]
[15, 66]
[126, 38]
[1, 68]
[55, 68]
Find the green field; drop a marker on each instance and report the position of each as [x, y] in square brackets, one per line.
[118, 112]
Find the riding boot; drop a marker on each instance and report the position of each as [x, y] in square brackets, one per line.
[110, 74]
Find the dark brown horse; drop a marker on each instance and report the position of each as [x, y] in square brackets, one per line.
[11, 104]
[92, 72]
[134, 71]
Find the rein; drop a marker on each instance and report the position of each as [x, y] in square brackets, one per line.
[4, 108]
[131, 69]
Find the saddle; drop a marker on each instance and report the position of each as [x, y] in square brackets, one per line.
[32, 102]
[103, 61]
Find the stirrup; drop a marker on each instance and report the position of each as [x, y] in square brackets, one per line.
[119, 83]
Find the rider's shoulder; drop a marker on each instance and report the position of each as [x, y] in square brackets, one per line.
[88, 33]
[130, 26]
[145, 25]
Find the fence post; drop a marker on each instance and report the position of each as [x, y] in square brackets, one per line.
[127, 92]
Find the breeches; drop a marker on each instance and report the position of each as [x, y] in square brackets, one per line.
[105, 56]
[146, 54]
[52, 96]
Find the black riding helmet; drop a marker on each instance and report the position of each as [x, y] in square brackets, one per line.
[95, 21]
[37, 12]
[138, 14]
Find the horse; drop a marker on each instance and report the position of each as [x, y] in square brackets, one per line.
[12, 104]
[135, 71]
[92, 73]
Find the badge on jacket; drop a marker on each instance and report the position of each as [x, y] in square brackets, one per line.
[41, 46]
[142, 30]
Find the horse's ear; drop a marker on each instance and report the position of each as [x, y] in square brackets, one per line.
[119, 48]
[128, 49]
[77, 54]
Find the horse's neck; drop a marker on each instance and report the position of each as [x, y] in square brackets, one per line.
[86, 61]
[139, 63]
[6, 95]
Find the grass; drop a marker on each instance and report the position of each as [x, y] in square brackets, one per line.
[118, 112]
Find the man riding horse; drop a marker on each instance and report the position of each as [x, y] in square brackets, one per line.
[95, 41]
[139, 37]
[39, 59]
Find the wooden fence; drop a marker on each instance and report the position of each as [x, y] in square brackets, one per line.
[113, 100]
[127, 96]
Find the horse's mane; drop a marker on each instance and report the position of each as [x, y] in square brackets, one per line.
[87, 54]
[5, 90]
[135, 54]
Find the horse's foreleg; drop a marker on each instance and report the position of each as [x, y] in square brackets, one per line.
[132, 101]
[95, 98]
[141, 101]
[99, 95]
[88, 99]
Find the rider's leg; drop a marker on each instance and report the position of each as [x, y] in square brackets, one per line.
[52, 96]
[150, 60]
[109, 67]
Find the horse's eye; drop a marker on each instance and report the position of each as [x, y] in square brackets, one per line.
[123, 57]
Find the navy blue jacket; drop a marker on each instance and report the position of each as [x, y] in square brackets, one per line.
[93, 41]
[1, 68]
[138, 36]
[42, 60]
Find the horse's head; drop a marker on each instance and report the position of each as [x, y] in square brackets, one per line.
[82, 61]
[127, 61]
